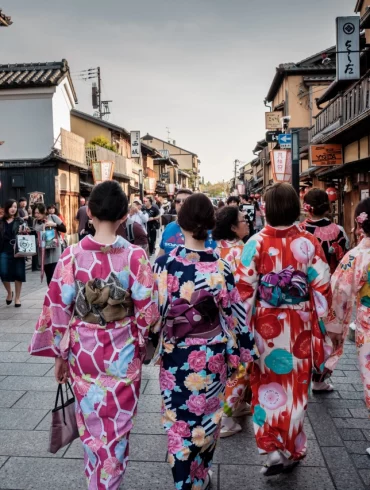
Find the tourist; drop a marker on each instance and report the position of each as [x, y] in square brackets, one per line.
[285, 282]
[133, 232]
[195, 365]
[22, 208]
[230, 230]
[137, 215]
[172, 236]
[153, 223]
[103, 346]
[82, 218]
[48, 258]
[12, 269]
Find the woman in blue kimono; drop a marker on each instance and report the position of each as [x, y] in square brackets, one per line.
[195, 367]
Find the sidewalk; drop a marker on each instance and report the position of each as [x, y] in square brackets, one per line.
[338, 427]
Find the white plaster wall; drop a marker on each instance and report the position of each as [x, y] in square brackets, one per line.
[61, 111]
[26, 125]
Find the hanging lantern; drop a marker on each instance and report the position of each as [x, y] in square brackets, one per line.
[102, 171]
[332, 193]
[150, 184]
[170, 189]
[241, 188]
[281, 164]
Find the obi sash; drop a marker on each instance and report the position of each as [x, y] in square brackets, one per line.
[283, 288]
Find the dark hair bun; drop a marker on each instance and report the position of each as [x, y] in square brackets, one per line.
[197, 215]
[364, 207]
[318, 200]
[108, 202]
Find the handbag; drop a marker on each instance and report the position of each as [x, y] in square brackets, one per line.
[63, 428]
[25, 246]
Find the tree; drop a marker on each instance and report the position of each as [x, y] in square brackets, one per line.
[216, 190]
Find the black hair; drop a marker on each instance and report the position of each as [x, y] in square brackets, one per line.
[364, 207]
[53, 206]
[233, 199]
[282, 205]
[197, 215]
[22, 199]
[318, 200]
[9, 203]
[108, 202]
[184, 191]
[40, 207]
[226, 218]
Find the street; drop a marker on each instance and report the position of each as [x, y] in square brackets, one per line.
[337, 427]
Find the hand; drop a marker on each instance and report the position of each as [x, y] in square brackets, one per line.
[61, 370]
[337, 339]
[51, 224]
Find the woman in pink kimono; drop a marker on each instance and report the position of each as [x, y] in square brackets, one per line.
[95, 322]
[351, 288]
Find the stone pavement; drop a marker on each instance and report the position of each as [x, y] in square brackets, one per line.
[337, 427]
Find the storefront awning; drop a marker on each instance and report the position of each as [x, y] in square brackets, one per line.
[359, 166]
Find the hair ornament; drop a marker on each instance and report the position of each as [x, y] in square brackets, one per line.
[307, 207]
[361, 218]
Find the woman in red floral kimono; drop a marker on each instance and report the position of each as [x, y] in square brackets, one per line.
[95, 322]
[285, 281]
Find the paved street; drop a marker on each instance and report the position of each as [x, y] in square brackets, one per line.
[338, 427]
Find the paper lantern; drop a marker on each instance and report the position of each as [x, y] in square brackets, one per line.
[332, 193]
[102, 171]
[150, 184]
[241, 188]
[170, 189]
[281, 164]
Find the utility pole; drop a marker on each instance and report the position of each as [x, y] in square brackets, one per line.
[99, 93]
[236, 162]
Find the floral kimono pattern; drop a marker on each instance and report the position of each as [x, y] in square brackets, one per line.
[105, 361]
[351, 287]
[235, 392]
[194, 372]
[290, 335]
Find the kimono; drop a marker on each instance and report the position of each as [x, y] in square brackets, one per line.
[332, 237]
[236, 387]
[285, 281]
[194, 372]
[351, 288]
[105, 361]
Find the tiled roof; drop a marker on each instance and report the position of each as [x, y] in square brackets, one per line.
[318, 78]
[30, 75]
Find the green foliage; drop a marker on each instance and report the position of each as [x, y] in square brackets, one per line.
[103, 142]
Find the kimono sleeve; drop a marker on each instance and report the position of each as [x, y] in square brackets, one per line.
[318, 273]
[345, 285]
[247, 275]
[57, 309]
[143, 293]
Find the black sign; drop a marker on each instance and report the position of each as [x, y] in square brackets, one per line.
[165, 176]
[272, 136]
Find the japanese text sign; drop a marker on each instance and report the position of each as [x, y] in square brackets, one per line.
[326, 155]
[273, 120]
[135, 144]
[102, 171]
[281, 162]
[348, 48]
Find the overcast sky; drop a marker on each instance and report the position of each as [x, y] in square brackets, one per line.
[200, 67]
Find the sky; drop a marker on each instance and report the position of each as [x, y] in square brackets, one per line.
[201, 68]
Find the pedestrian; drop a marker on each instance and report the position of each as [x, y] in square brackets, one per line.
[53, 209]
[22, 208]
[285, 286]
[220, 204]
[335, 244]
[153, 222]
[12, 269]
[195, 366]
[351, 289]
[230, 230]
[82, 218]
[233, 201]
[103, 346]
[247, 207]
[44, 221]
[137, 215]
[133, 232]
[172, 236]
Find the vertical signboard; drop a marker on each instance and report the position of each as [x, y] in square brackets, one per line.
[348, 48]
[135, 144]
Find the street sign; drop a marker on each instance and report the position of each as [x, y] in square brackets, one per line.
[273, 120]
[135, 144]
[348, 48]
[326, 155]
[272, 136]
[285, 141]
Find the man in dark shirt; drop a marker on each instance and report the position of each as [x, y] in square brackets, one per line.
[153, 223]
[22, 208]
[82, 219]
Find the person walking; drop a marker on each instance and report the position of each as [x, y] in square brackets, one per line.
[82, 218]
[100, 347]
[230, 230]
[44, 221]
[137, 215]
[285, 282]
[350, 284]
[153, 222]
[196, 364]
[12, 269]
[22, 208]
[133, 232]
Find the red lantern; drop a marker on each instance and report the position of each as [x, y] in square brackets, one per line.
[332, 193]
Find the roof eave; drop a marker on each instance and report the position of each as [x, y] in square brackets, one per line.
[276, 82]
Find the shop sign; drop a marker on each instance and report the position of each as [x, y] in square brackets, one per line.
[326, 155]
[273, 120]
[281, 163]
[102, 171]
[348, 48]
[135, 144]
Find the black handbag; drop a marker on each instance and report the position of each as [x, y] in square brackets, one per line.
[63, 428]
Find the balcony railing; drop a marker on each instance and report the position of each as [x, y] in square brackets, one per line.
[95, 153]
[343, 109]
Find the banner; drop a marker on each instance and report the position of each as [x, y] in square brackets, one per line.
[281, 163]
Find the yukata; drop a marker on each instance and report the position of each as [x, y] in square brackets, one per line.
[236, 387]
[105, 361]
[194, 371]
[285, 282]
[351, 288]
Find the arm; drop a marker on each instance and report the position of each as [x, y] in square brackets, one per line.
[144, 217]
[247, 275]
[57, 310]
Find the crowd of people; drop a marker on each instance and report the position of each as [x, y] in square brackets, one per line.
[244, 310]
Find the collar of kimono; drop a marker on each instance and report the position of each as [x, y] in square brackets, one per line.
[282, 232]
[365, 242]
[88, 243]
